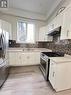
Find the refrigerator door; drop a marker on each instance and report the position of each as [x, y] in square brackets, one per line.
[4, 71]
[5, 43]
[4, 66]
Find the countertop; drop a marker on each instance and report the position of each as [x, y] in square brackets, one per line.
[61, 59]
[29, 50]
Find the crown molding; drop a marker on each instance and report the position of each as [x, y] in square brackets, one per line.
[29, 14]
[25, 14]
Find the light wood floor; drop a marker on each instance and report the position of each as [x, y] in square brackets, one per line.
[28, 81]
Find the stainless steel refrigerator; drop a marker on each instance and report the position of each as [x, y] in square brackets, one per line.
[4, 66]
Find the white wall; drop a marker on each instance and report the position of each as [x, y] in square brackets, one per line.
[13, 20]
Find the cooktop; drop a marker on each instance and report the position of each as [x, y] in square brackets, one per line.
[53, 54]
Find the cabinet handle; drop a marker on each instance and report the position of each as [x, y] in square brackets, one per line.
[53, 74]
[67, 33]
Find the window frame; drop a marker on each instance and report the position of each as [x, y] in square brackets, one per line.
[24, 42]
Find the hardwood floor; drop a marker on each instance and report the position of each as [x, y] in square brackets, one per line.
[28, 81]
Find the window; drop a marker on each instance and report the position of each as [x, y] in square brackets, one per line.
[25, 32]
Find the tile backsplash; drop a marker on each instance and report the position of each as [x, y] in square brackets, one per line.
[12, 43]
[61, 46]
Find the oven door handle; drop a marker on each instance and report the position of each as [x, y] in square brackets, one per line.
[44, 59]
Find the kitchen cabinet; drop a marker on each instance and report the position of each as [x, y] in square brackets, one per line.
[59, 20]
[52, 25]
[52, 73]
[7, 27]
[24, 58]
[37, 58]
[28, 58]
[59, 75]
[31, 58]
[56, 22]
[42, 34]
[14, 58]
[66, 27]
[43, 37]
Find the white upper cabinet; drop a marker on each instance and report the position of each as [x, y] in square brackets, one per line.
[51, 26]
[66, 27]
[43, 37]
[56, 22]
[63, 20]
[42, 34]
[59, 20]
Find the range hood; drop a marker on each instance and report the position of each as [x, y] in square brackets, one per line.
[56, 31]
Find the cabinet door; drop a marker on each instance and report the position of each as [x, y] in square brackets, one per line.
[59, 20]
[12, 58]
[18, 59]
[31, 59]
[24, 58]
[63, 78]
[36, 58]
[27, 59]
[42, 34]
[51, 26]
[52, 73]
[66, 29]
[49, 38]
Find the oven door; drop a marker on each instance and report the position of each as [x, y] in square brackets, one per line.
[44, 67]
[43, 64]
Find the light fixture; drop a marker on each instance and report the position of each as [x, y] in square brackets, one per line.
[3, 3]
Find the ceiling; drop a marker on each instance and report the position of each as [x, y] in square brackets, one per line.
[37, 7]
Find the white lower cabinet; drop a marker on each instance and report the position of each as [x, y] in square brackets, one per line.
[24, 59]
[52, 74]
[14, 58]
[27, 58]
[60, 75]
[37, 58]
